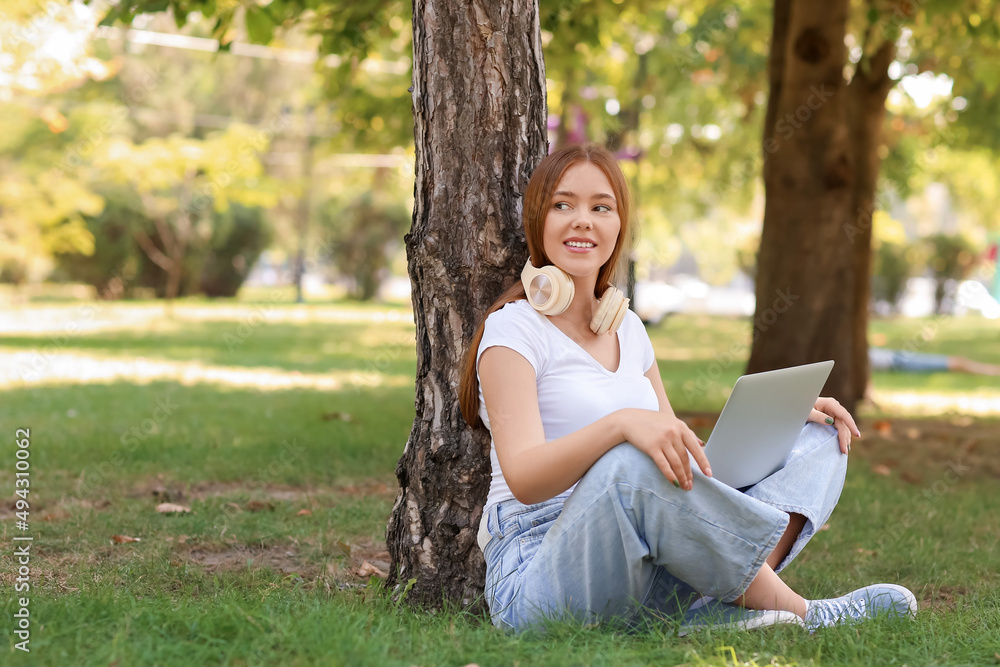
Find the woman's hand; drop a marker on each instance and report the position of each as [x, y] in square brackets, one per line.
[830, 411]
[666, 440]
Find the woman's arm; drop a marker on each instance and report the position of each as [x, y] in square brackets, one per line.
[536, 470]
[661, 394]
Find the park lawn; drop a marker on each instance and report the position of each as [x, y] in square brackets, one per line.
[279, 427]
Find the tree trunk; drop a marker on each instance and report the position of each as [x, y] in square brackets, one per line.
[806, 269]
[479, 129]
[866, 98]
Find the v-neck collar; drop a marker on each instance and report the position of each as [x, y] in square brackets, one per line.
[618, 338]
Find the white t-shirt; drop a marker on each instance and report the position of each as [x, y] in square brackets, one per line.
[574, 389]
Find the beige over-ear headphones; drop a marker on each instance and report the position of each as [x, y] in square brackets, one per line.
[550, 291]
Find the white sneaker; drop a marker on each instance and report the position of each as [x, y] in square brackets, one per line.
[708, 613]
[865, 603]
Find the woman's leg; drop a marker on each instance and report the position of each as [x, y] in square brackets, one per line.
[768, 591]
[796, 522]
[807, 487]
[621, 524]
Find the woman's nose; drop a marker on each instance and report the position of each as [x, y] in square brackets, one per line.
[583, 220]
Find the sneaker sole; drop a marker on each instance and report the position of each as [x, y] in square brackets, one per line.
[767, 619]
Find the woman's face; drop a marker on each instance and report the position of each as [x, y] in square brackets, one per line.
[582, 223]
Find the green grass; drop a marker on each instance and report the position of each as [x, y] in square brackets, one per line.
[248, 577]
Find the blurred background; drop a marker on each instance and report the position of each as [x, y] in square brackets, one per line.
[158, 161]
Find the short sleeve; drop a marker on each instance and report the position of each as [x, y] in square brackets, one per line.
[516, 328]
[648, 354]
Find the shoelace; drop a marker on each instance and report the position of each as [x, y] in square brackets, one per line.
[823, 613]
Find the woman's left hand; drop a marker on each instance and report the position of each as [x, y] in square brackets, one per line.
[830, 411]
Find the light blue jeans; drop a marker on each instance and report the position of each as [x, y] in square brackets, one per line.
[627, 544]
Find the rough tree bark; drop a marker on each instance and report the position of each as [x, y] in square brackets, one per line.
[479, 128]
[805, 267]
[821, 143]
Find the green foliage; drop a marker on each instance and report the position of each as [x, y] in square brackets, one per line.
[214, 265]
[240, 234]
[892, 268]
[362, 234]
[949, 257]
[115, 255]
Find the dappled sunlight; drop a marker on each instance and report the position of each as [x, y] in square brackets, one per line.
[982, 403]
[19, 369]
[91, 317]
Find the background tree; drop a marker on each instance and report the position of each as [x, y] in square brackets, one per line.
[362, 233]
[823, 146]
[179, 183]
[951, 257]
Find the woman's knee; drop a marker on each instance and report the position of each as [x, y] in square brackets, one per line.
[622, 463]
[816, 439]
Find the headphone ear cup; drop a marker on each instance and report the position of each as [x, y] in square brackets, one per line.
[622, 310]
[549, 289]
[610, 311]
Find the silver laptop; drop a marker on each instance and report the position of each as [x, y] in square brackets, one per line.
[761, 421]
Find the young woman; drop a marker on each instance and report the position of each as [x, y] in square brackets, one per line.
[595, 511]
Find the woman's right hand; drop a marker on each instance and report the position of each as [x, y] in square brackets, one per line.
[667, 440]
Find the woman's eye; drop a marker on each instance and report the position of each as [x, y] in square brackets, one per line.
[561, 206]
[603, 208]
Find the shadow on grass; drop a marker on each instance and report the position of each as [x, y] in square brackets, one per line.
[386, 347]
[108, 433]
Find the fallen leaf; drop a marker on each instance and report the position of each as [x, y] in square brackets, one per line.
[366, 569]
[911, 478]
[913, 433]
[883, 427]
[303, 513]
[881, 469]
[865, 552]
[961, 422]
[122, 539]
[825, 526]
[258, 506]
[170, 508]
[182, 539]
[342, 416]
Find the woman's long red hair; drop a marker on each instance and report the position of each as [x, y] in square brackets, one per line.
[537, 200]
